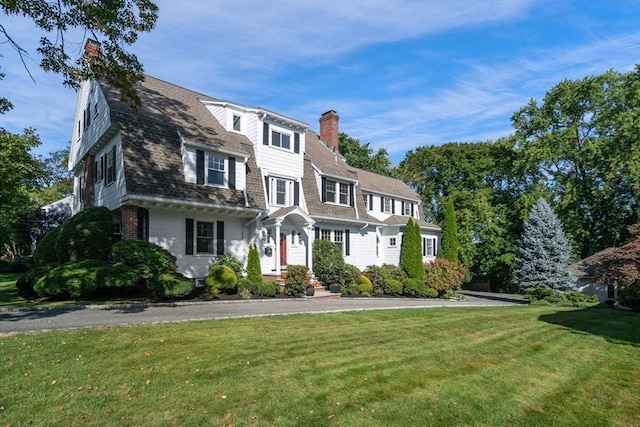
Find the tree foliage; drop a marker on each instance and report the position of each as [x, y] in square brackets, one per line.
[411, 251]
[543, 252]
[583, 139]
[362, 156]
[254, 270]
[114, 24]
[621, 266]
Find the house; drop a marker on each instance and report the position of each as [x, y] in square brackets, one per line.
[202, 177]
[585, 272]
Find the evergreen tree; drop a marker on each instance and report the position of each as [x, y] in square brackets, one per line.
[450, 246]
[543, 252]
[411, 251]
[254, 270]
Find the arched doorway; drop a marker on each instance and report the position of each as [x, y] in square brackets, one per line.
[283, 251]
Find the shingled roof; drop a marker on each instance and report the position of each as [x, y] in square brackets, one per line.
[152, 146]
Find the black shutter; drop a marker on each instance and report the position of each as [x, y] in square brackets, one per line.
[351, 195]
[296, 193]
[424, 246]
[412, 209]
[115, 164]
[324, 189]
[402, 208]
[143, 224]
[381, 204]
[370, 202]
[393, 206]
[95, 171]
[103, 165]
[232, 173]
[188, 249]
[317, 230]
[266, 186]
[296, 143]
[220, 238]
[199, 167]
[265, 134]
[347, 243]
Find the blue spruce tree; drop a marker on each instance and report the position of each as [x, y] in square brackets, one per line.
[543, 252]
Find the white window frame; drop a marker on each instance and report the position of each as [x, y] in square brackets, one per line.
[111, 167]
[205, 238]
[236, 119]
[216, 164]
[429, 246]
[343, 193]
[365, 197]
[338, 239]
[387, 204]
[393, 242]
[280, 138]
[325, 234]
[274, 191]
[333, 191]
[407, 208]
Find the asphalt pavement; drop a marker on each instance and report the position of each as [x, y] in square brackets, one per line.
[42, 319]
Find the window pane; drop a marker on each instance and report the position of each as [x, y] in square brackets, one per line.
[204, 237]
[236, 123]
[215, 170]
[387, 205]
[281, 192]
[331, 191]
[286, 143]
[325, 234]
[275, 138]
[344, 194]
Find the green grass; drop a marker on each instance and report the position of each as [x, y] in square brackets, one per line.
[9, 293]
[524, 366]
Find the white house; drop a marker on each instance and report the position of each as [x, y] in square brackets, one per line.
[201, 177]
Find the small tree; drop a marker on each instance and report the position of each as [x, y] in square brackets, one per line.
[254, 270]
[543, 252]
[411, 251]
[450, 245]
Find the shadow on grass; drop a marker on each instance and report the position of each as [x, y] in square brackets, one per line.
[616, 326]
[517, 299]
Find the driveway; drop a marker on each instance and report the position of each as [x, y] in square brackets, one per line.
[32, 320]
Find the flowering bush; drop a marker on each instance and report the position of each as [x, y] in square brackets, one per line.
[444, 275]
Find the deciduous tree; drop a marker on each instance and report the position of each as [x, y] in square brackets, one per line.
[362, 156]
[450, 234]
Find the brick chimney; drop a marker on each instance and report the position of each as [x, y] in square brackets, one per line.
[92, 48]
[329, 129]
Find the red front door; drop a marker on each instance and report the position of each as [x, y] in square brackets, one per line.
[283, 250]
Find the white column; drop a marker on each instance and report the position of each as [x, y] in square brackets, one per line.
[310, 238]
[277, 248]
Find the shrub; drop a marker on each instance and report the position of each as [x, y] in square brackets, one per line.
[543, 293]
[22, 264]
[26, 282]
[328, 262]
[86, 235]
[147, 258]
[45, 252]
[578, 299]
[414, 288]
[351, 275]
[630, 296]
[222, 278]
[365, 286]
[245, 284]
[231, 262]
[268, 289]
[396, 272]
[121, 277]
[430, 293]
[394, 287]
[379, 277]
[73, 278]
[172, 285]
[254, 269]
[297, 279]
[444, 275]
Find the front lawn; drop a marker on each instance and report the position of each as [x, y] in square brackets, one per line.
[471, 366]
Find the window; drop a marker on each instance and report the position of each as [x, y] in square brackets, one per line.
[331, 191]
[366, 201]
[344, 194]
[111, 166]
[325, 234]
[407, 208]
[81, 189]
[428, 246]
[338, 239]
[236, 123]
[279, 139]
[392, 241]
[204, 237]
[281, 192]
[387, 205]
[215, 170]
[99, 169]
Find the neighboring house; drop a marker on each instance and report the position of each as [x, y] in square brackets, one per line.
[585, 273]
[202, 177]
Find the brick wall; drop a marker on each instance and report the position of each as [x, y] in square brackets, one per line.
[329, 129]
[129, 222]
[88, 181]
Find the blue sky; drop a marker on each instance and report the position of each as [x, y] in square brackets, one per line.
[400, 73]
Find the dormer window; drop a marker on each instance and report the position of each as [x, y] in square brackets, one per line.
[215, 170]
[279, 139]
[339, 193]
[237, 123]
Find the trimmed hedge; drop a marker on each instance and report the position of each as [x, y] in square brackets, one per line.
[147, 258]
[86, 235]
[230, 261]
[45, 252]
[394, 287]
[73, 278]
[364, 285]
[328, 262]
[379, 277]
[297, 279]
[414, 288]
[268, 289]
[222, 278]
[172, 285]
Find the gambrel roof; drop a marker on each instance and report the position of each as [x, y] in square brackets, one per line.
[151, 143]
